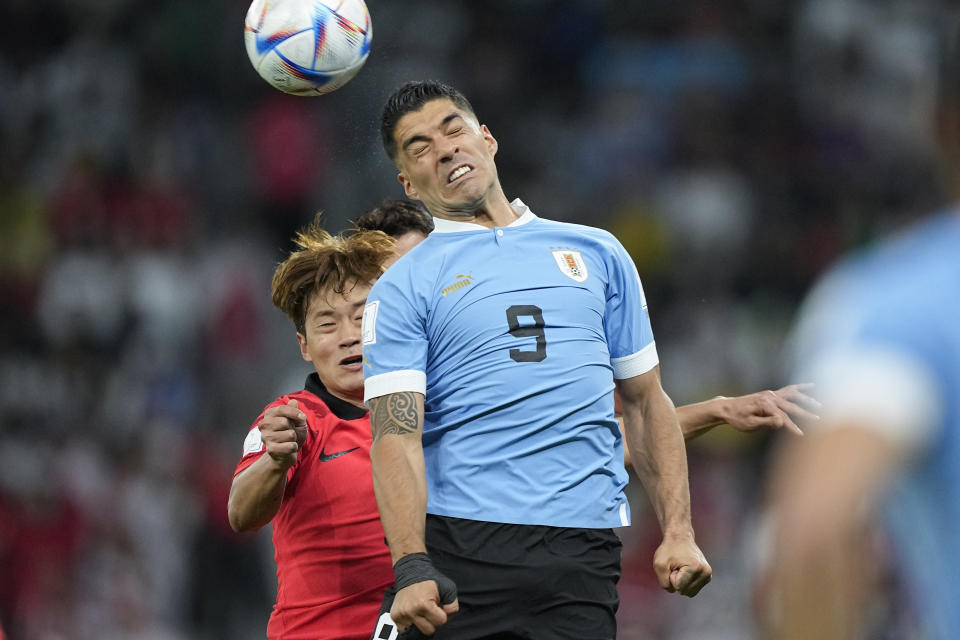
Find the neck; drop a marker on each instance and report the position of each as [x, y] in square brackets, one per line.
[491, 212]
[353, 398]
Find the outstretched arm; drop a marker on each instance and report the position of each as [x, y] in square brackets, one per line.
[660, 460]
[762, 410]
[399, 482]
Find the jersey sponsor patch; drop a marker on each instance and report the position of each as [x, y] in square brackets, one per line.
[571, 264]
[253, 443]
[368, 324]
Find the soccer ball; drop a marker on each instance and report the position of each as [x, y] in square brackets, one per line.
[307, 47]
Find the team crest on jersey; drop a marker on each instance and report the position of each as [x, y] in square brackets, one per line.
[571, 264]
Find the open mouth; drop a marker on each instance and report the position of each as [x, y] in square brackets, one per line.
[351, 360]
[459, 172]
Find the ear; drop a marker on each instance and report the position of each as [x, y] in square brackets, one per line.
[408, 187]
[302, 339]
[492, 143]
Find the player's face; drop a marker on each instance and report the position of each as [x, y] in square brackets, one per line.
[332, 340]
[445, 159]
[403, 244]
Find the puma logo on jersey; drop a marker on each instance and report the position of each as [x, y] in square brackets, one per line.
[464, 281]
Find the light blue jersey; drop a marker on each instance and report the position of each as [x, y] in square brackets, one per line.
[890, 320]
[514, 336]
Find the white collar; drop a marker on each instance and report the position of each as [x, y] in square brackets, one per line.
[452, 226]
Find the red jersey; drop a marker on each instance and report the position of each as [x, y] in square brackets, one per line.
[332, 562]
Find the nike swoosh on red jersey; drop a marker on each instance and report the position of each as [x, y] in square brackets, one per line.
[324, 457]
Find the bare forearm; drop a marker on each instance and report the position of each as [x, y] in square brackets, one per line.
[696, 419]
[256, 495]
[399, 476]
[399, 483]
[660, 459]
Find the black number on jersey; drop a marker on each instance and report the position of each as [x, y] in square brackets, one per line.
[526, 331]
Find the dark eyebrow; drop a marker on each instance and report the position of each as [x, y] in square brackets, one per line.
[422, 138]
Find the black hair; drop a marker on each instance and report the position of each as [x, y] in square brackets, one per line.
[395, 218]
[411, 97]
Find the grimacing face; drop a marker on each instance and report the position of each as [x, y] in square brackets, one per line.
[446, 159]
[331, 340]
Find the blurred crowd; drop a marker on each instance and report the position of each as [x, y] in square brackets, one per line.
[150, 182]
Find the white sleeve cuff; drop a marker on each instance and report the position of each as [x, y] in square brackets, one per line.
[394, 382]
[885, 388]
[635, 364]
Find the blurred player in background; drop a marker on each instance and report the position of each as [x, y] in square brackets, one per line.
[880, 336]
[305, 463]
[510, 325]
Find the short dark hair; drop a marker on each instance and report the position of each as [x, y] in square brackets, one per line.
[411, 97]
[395, 218]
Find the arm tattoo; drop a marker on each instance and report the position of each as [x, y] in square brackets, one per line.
[395, 413]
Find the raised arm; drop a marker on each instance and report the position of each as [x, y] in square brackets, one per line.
[399, 482]
[257, 492]
[660, 461]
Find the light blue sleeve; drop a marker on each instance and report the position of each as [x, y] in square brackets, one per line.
[626, 321]
[394, 338]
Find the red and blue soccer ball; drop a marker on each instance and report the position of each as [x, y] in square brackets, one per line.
[307, 47]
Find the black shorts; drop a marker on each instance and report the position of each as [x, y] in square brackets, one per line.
[523, 581]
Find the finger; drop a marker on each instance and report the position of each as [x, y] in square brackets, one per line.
[282, 448]
[797, 393]
[429, 621]
[797, 412]
[695, 585]
[288, 412]
[788, 424]
[277, 432]
[666, 582]
[679, 579]
[451, 607]
[688, 581]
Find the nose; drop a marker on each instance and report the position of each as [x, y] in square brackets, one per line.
[350, 334]
[447, 151]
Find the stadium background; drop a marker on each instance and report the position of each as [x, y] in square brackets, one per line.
[150, 180]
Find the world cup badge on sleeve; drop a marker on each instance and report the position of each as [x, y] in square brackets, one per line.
[571, 264]
[368, 323]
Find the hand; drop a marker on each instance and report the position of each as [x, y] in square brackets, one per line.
[680, 566]
[419, 605]
[283, 431]
[772, 409]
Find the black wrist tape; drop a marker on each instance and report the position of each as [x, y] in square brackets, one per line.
[418, 567]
